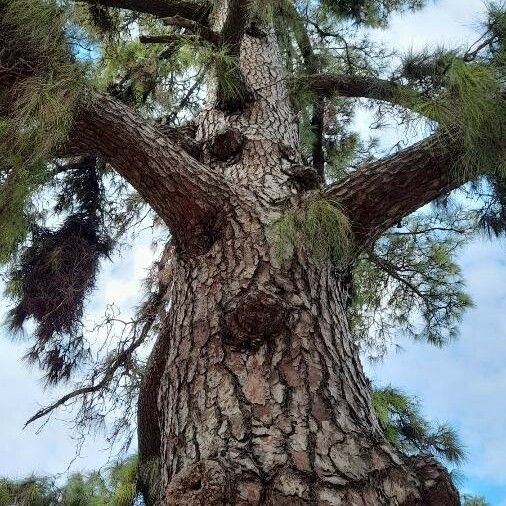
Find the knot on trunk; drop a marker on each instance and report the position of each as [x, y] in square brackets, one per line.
[226, 144]
[203, 483]
[436, 484]
[252, 319]
[304, 178]
[199, 239]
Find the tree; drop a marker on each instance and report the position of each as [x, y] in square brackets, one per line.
[280, 224]
[115, 486]
[474, 501]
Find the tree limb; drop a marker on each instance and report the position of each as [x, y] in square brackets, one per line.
[312, 67]
[185, 193]
[149, 315]
[355, 86]
[231, 35]
[378, 195]
[197, 11]
[193, 27]
[390, 269]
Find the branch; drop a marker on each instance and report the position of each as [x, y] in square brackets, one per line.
[231, 35]
[378, 195]
[354, 86]
[312, 67]
[197, 11]
[234, 26]
[390, 269]
[193, 27]
[149, 315]
[185, 193]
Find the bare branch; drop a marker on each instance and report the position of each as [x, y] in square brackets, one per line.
[232, 33]
[378, 195]
[148, 317]
[235, 24]
[363, 87]
[391, 270]
[312, 64]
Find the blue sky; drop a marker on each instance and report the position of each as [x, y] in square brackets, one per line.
[463, 384]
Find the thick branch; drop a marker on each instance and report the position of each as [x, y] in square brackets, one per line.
[235, 24]
[231, 35]
[363, 87]
[186, 194]
[379, 194]
[197, 11]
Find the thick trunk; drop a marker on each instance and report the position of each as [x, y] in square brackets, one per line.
[263, 399]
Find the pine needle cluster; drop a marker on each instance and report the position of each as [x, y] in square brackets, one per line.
[318, 226]
[41, 89]
[472, 109]
[407, 430]
[465, 100]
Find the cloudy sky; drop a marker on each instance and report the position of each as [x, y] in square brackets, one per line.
[463, 384]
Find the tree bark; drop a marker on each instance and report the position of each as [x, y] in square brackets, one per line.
[186, 194]
[263, 399]
[197, 11]
[378, 195]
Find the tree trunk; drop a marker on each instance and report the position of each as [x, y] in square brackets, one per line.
[263, 399]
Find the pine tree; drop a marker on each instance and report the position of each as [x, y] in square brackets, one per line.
[474, 501]
[115, 486]
[290, 243]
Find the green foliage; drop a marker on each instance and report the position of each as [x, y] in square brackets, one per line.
[369, 12]
[492, 216]
[18, 185]
[36, 111]
[409, 285]
[472, 109]
[464, 97]
[318, 226]
[470, 500]
[407, 430]
[33, 491]
[123, 478]
[116, 486]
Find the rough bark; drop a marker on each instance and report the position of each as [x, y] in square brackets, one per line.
[185, 193]
[197, 11]
[380, 194]
[263, 399]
